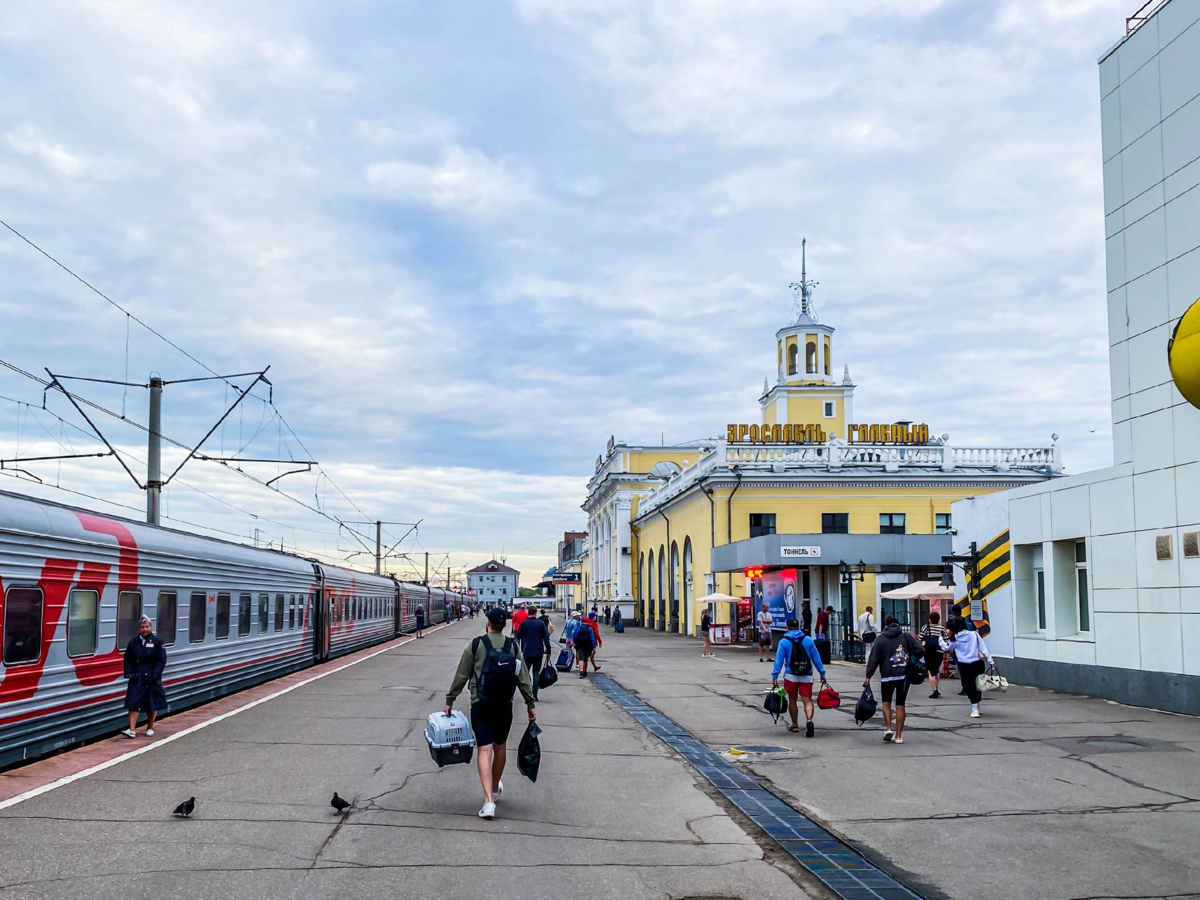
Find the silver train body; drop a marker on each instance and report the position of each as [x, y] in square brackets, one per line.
[73, 585]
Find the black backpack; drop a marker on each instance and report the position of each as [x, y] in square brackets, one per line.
[799, 662]
[498, 677]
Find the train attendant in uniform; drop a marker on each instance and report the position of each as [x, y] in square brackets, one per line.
[145, 659]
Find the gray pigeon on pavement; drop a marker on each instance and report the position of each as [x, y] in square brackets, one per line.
[185, 809]
[339, 805]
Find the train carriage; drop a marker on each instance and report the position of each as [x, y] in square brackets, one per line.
[73, 585]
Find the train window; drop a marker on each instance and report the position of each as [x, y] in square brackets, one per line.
[223, 601]
[129, 610]
[244, 602]
[197, 612]
[81, 623]
[22, 626]
[292, 613]
[166, 617]
[264, 612]
[279, 598]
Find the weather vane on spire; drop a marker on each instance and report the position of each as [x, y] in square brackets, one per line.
[802, 290]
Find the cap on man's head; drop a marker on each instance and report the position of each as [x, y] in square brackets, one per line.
[497, 617]
[592, 614]
[792, 624]
[576, 615]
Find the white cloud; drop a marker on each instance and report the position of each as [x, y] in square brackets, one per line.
[463, 181]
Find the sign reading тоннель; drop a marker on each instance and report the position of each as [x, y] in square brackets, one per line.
[799, 552]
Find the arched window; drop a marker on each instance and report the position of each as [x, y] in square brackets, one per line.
[688, 579]
[642, 584]
[661, 589]
[793, 352]
[676, 593]
[650, 587]
[810, 358]
[827, 356]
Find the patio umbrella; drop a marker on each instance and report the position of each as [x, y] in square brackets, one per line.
[920, 590]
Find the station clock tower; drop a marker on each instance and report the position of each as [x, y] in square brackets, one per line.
[805, 391]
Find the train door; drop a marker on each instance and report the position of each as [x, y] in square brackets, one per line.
[322, 620]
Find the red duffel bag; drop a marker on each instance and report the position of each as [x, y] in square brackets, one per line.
[828, 698]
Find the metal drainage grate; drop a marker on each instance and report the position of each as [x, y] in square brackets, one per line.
[844, 871]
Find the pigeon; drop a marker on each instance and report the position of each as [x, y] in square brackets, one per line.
[186, 808]
[339, 805]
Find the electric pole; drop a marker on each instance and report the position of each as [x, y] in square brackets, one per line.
[378, 546]
[154, 452]
[427, 568]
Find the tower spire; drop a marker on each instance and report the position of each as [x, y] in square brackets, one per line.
[802, 291]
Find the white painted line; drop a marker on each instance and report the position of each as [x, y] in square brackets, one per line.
[100, 767]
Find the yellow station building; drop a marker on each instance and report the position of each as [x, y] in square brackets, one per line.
[806, 503]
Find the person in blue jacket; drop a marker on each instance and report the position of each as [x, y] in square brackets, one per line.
[796, 657]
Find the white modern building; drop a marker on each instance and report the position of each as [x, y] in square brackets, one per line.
[494, 582]
[1104, 596]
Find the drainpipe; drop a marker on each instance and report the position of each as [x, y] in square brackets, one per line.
[729, 522]
[712, 523]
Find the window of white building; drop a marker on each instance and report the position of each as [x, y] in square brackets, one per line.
[1082, 597]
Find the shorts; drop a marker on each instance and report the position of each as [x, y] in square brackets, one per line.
[491, 722]
[764, 637]
[933, 662]
[899, 688]
[803, 688]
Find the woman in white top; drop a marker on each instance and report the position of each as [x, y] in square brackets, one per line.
[764, 633]
[970, 651]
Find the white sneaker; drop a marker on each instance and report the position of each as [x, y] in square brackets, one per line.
[898, 740]
[149, 732]
[129, 732]
[498, 791]
[887, 737]
[974, 714]
[488, 811]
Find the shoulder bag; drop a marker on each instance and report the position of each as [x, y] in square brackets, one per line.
[991, 680]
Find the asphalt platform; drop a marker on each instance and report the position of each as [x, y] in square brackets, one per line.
[1045, 796]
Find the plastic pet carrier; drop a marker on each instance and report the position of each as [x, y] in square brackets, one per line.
[450, 738]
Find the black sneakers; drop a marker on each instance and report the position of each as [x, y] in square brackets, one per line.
[808, 729]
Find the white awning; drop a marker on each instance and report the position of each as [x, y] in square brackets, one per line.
[920, 590]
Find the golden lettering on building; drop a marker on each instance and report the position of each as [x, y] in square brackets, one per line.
[895, 433]
[776, 434]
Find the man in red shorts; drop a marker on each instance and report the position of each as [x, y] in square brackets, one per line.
[796, 657]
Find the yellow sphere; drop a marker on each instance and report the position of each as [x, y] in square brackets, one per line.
[1183, 355]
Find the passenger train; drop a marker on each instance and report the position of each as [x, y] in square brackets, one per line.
[74, 584]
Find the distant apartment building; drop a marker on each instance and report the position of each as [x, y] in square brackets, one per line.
[494, 582]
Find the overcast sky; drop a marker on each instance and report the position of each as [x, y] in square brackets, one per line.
[475, 239]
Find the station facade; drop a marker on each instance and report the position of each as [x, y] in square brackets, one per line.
[804, 504]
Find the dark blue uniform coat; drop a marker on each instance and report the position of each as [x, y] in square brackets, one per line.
[145, 659]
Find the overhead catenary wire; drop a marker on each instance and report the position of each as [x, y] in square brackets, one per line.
[213, 373]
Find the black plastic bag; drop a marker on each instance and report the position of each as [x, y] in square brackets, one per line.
[865, 707]
[529, 753]
[547, 677]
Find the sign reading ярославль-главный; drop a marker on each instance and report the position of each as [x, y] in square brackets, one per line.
[899, 433]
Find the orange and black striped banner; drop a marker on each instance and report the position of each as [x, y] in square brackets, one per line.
[995, 571]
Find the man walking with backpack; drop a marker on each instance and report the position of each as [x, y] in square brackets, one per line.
[492, 665]
[535, 647]
[796, 657]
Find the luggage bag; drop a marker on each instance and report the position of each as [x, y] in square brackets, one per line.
[566, 659]
[450, 738]
[824, 649]
[619, 628]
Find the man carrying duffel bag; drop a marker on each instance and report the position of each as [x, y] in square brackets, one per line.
[796, 657]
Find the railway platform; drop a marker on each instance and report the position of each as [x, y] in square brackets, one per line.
[639, 795]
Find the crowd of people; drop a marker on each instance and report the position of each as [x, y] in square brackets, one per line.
[900, 659]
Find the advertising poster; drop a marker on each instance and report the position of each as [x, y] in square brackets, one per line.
[779, 590]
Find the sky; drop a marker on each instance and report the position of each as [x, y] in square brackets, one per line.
[473, 240]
